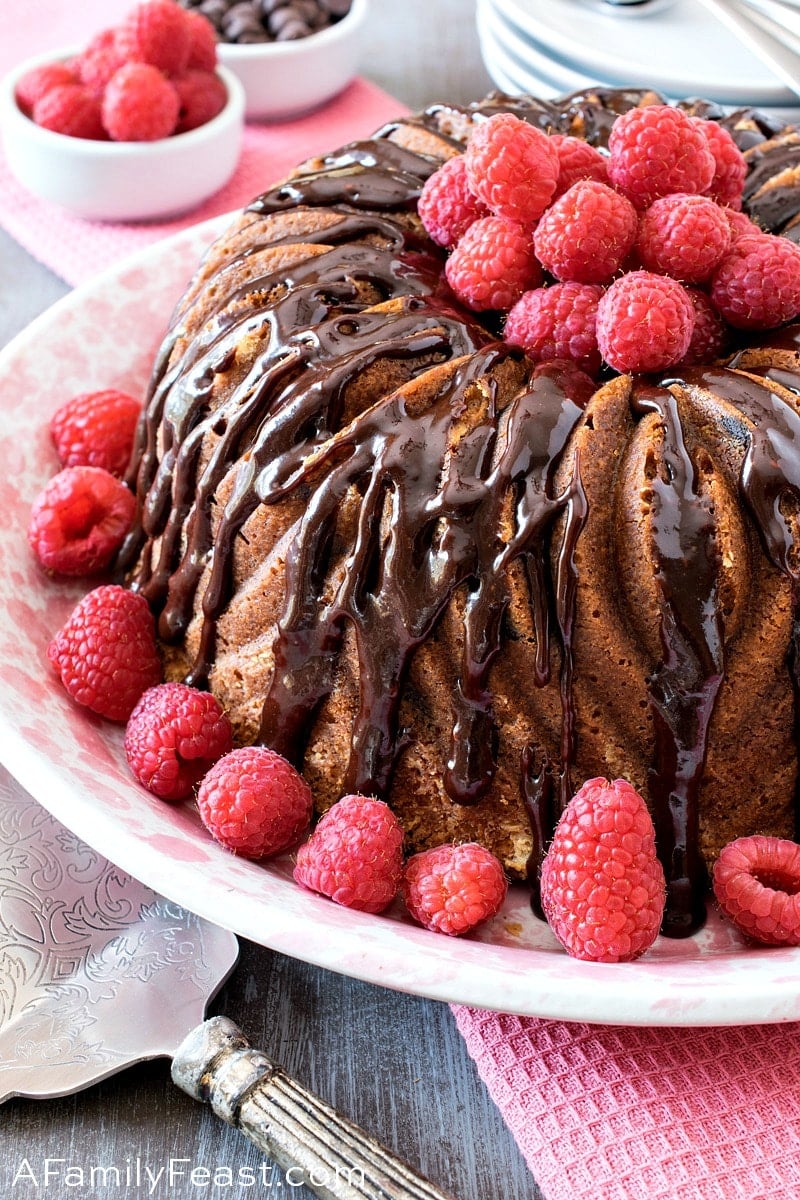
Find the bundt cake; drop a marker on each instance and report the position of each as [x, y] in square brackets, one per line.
[424, 568]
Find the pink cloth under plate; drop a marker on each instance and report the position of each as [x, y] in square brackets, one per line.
[599, 1112]
[613, 1113]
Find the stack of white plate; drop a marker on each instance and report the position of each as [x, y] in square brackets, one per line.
[550, 47]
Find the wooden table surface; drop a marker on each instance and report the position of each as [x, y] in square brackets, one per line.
[394, 1063]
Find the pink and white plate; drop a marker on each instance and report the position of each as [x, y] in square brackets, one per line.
[105, 335]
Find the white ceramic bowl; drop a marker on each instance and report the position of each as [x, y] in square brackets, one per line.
[284, 79]
[121, 181]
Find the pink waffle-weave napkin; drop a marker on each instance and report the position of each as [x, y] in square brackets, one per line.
[613, 1113]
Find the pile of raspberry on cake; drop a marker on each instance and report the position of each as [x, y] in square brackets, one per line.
[639, 259]
[151, 76]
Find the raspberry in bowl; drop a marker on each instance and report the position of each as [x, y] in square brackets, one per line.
[111, 132]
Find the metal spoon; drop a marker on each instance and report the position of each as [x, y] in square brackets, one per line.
[770, 41]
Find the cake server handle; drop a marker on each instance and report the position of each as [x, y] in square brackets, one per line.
[308, 1139]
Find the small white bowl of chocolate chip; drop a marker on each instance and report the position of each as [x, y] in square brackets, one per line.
[291, 56]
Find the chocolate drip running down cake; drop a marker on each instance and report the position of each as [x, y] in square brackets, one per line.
[426, 569]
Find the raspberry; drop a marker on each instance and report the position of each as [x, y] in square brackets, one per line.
[174, 734]
[757, 284]
[447, 207]
[740, 224]
[72, 110]
[577, 160]
[100, 60]
[710, 335]
[202, 96]
[157, 33]
[557, 322]
[757, 884]
[80, 520]
[685, 236]
[37, 82]
[451, 889]
[96, 429]
[255, 802]
[586, 234]
[603, 887]
[106, 654]
[655, 150]
[202, 42]
[355, 855]
[139, 104]
[512, 167]
[730, 170]
[493, 264]
[644, 322]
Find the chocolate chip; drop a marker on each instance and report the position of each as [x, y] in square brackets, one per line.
[292, 31]
[280, 18]
[240, 20]
[337, 8]
[306, 10]
[214, 10]
[244, 10]
[253, 21]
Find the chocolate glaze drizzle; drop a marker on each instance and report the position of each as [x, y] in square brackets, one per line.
[431, 515]
[683, 688]
[370, 175]
[433, 526]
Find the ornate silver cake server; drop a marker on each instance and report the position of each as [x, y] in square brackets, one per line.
[83, 945]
